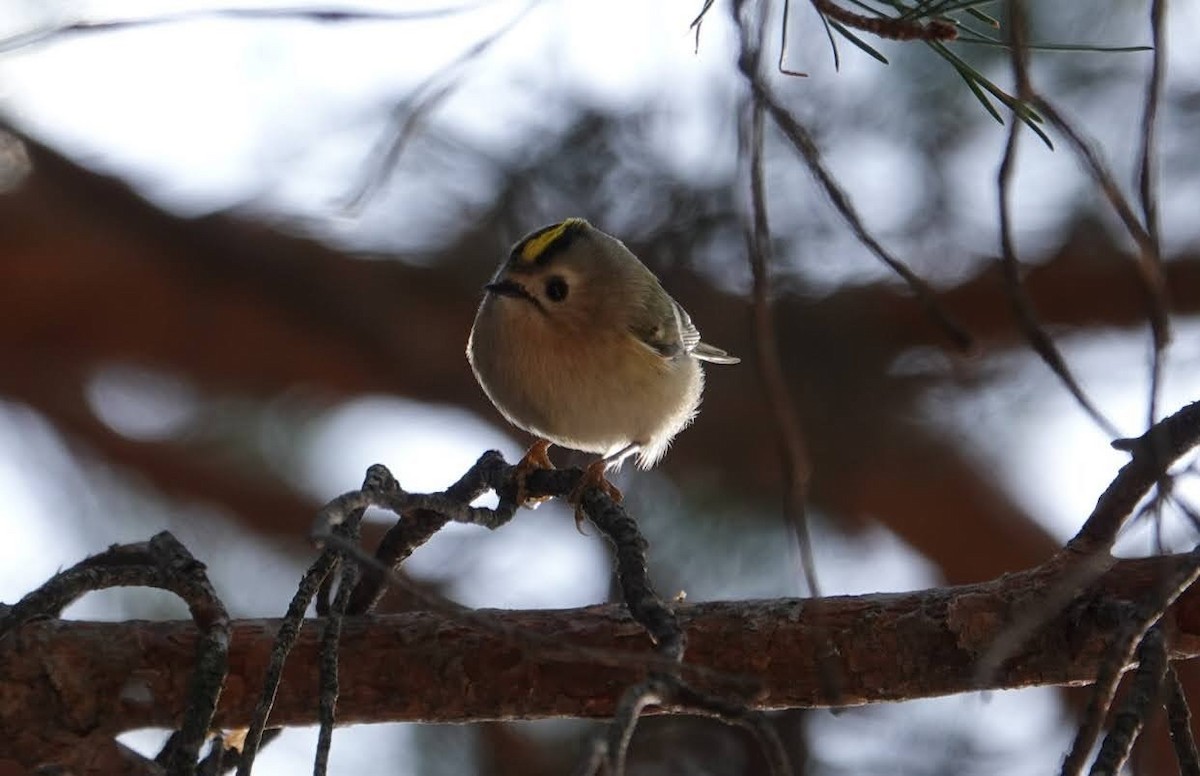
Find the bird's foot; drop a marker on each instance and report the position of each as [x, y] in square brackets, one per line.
[535, 458]
[593, 477]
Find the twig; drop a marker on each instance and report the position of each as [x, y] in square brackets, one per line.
[607, 753]
[1148, 182]
[489, 472]
[648, 609]
[1141, 701]
[1149, 268]
[417, 526]
[492, 470]
[162, 562]
[629, 552]
[664, 686]
[1179, 721]
[285, 639]
[793, 452]
[629, 549]
[1153, 454]
[803, 142]
[329, 650]
[1022, 305]
[409, 115]
[1137, 622]
[1087, 556]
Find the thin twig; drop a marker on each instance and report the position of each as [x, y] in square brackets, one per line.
[609, 750]
[789, 436]
[497, 475]
[418, 526]
[784, 24]
[409, 116]
[1179, 721]
[629, 549]
[1149, 268]
[1036, 335]
[648, 609]
[1087, 556]
[793, 451]
[285, 639]
[1140, 702]
[329, 652]
[1148, 180]
[162, 562]
[1145, 614]
[803, 142]
[1153, 454]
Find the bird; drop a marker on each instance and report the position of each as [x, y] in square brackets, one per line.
[577, 343]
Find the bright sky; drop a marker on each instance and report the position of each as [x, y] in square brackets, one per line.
[213, 112]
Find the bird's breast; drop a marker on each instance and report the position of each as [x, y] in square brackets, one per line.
[596, 392]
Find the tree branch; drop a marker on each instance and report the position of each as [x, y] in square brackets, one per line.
[87, 677]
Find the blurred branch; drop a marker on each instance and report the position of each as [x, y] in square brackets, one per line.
[1148, 192]
[793, 452]
[437, 668]
[89, 262]
[317, 15]
[409, 117]
[173, 467]
[802, 140]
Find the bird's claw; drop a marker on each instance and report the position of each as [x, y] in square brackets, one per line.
[593, 477]
[535, 458]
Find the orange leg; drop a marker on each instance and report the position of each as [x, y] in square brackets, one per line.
[593, 477]
[536, 457]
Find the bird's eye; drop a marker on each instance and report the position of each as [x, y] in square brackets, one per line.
[556, 289]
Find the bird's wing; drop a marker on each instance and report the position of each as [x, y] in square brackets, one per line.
[706, 352]
[690, 337]
[672, 334]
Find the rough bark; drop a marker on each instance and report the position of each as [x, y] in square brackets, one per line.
[63, 681]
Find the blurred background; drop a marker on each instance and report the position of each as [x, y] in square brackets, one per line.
[241, 246]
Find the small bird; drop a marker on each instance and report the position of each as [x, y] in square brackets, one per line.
[577, 343]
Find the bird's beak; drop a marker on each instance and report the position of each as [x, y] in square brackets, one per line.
[507, 288]
[513, 289]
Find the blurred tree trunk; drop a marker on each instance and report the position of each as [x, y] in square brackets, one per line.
[94, 276]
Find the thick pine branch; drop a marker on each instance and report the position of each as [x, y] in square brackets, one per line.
[61, 681]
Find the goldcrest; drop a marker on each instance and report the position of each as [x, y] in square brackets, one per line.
[577, 343]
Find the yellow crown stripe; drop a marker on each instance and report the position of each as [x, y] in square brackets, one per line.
[536, 245]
